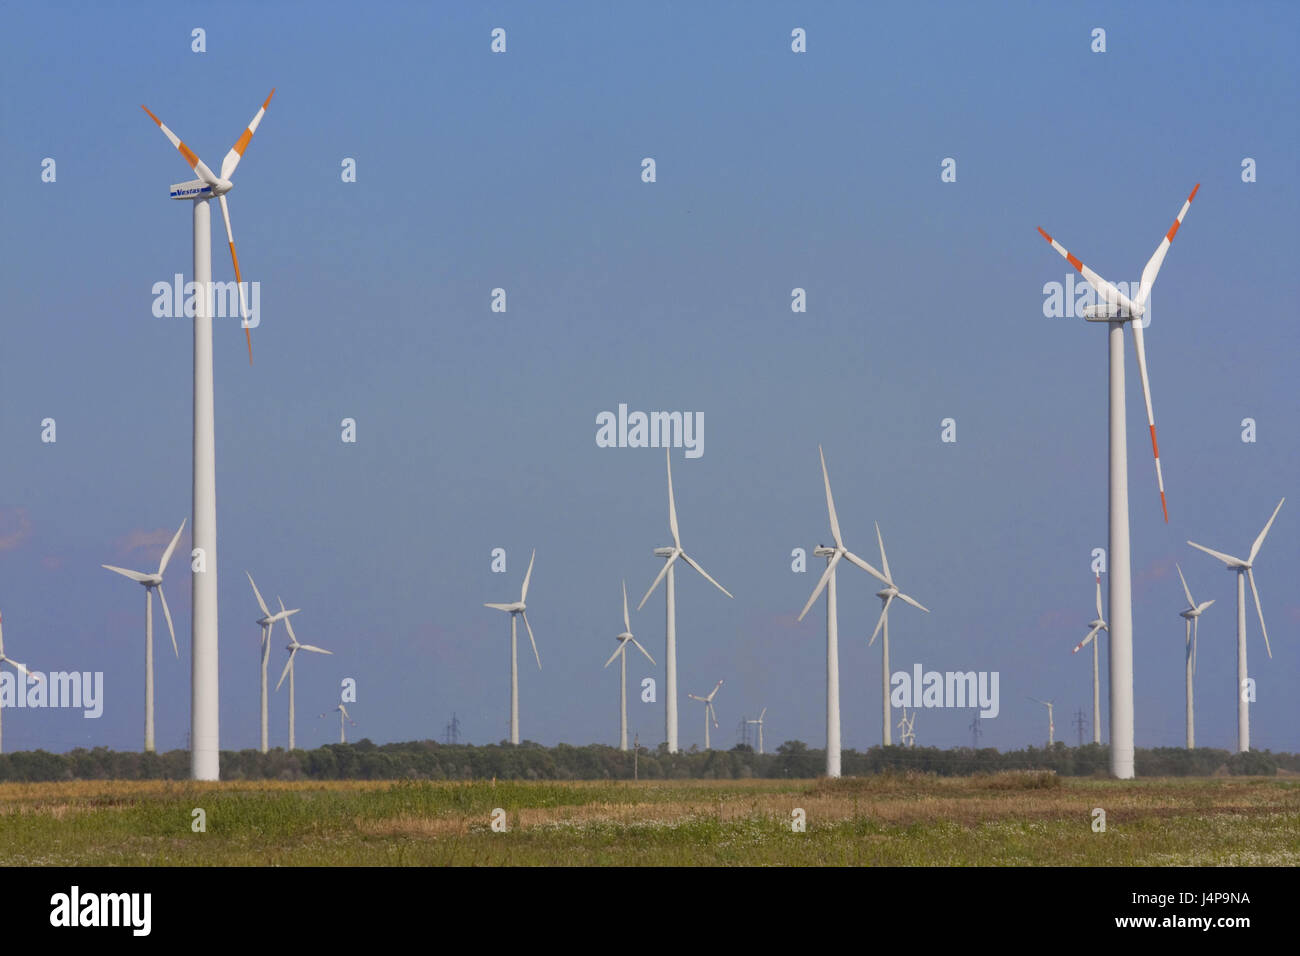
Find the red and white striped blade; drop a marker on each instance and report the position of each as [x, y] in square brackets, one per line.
[239, 284]
[1084, 643]
[1158, 257]
[237, 151]
[1151, 419]
[1109, 294]
[200, 168]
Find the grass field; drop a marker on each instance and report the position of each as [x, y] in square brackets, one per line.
[1006, 819]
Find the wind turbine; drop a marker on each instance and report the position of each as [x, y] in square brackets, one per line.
[833, 557]
[623, 640]
[906, 731]
[1051, 727]
[887, 595]
[1245, 570]
[151, 581]
[518, 609]
[204, 703]
[1191, 616]
[344, 716]
[267, 621]
[670, 655]
[1097, 624]
[20, 687]
[293, 648]
[708, 711]
[1118, 310]
[759, 721]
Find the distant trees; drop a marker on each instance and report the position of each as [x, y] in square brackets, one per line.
[429, 760]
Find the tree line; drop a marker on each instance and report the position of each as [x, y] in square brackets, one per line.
[430, 760]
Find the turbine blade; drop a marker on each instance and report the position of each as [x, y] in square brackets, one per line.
[643, 650]
[289, 624]
[614, 656]
[1099, 614]
[239, 284]
[167, 555]
[499, 607]
[662, 572]
[693, 697]
[884, 561]
[1186, 589]
[866, 567]
[761, 714]
[237, 151]
[287, 664]
[1111, 295]
[1254, 548]
[627, 624]
[672, 503]
[1084, 643]
[523, 593]
[1250, 575]
[1158, 257]
[168, 614]
[266, 611]
[136, 576]
[1151, 420]
[830, 502]
[200, 168]
[1204, 604]
[826, 576]
[691, 561]
[313, 647]
[23, 670]
[913, 602]
[524, 615]
[881, 620]
[715, 689]
[1227, 559]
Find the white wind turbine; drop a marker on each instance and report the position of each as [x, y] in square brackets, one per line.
[833, 556]
[1051, 727]
[151, 581]
[518, 609]
[293, 648]
[20, 686]
[1098, 624]
[204, 703]
[670, 655]
[623, 640]
[1118, 310]
[887, 595]
[1245, 570]
[1191, 616]
[344, 717]
[708, 711]
[267, 621]
[759, 721]
[906, 729]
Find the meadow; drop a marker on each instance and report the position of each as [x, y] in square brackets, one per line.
[897, 819]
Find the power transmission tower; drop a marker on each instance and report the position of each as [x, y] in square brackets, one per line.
[975, 731]
[452, 733]
[1078, 724]
[742, 733]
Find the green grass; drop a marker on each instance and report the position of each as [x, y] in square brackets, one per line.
[887, 820]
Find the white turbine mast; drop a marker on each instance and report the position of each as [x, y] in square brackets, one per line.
[1191, 615]
[759, 722]
[1118, 310]
[1245, 571]
[833, 557]
[267, 622]
[1051, 726]
[150, 582]
[344, 718]
[293, 647]
[1097, 624]
[205, 744]
[887, 595]
[623, 640]
[518, 609]
[709, 713]
[670, 656]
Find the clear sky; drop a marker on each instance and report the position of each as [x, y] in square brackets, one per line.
[476, 430]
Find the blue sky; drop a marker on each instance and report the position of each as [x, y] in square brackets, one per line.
[476, 430]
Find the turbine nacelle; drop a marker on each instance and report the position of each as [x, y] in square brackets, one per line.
[200, 189]
[1111, 313]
